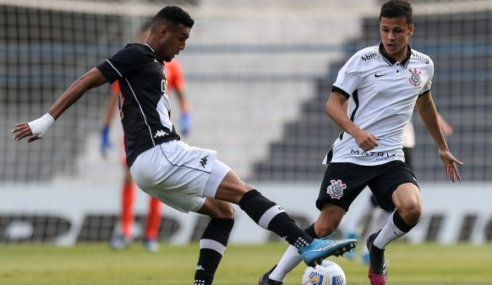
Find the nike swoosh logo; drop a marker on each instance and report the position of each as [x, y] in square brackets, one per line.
[326, 247]
[398, 234]
[379, 75]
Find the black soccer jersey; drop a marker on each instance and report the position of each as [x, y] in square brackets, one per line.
[145, 109]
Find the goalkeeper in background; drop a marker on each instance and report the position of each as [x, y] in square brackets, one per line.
[175, 81]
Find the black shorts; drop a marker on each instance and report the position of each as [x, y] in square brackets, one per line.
[343, 182]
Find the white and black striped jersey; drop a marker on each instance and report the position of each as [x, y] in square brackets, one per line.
[382, 96]
[145, 109]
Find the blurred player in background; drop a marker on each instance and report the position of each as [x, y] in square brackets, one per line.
[184, 177]
[382, 85]
[175, 81]
[370, 208]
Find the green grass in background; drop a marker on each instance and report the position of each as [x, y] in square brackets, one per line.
[96, 264]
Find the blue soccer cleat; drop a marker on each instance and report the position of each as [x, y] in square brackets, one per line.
[319, 249]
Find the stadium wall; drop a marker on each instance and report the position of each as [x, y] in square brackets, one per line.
[88, 213]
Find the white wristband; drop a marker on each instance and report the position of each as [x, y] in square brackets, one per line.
[40, 126]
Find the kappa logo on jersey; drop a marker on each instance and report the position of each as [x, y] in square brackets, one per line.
[160, 133]
[335, 190]
[203, 161]
[415, 79]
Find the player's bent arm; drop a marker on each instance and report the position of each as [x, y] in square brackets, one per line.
[428, 113]
[93, 78]
[37, 128]
[336, 109]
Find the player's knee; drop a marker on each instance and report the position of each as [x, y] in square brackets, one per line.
[411, 213]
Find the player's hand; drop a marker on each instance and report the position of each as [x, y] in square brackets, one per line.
[366, 141]
[450, 163]
[23, 130]
[185, 123]
[105, 142]
[35, 129]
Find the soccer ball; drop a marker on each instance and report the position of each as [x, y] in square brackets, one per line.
[328, 273]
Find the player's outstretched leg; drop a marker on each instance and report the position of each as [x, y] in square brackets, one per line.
[272, 217]
[378, 273]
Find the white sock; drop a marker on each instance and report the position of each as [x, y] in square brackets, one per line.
[388, 234]
[289, 261]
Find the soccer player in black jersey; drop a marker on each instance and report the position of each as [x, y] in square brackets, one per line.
[183, 177]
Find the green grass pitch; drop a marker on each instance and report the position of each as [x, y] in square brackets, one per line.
[96, 264]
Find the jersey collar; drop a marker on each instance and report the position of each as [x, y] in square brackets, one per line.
[153, 51]
[391, 61]
[147, 45]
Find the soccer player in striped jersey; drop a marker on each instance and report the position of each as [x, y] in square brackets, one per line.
[382, 85]
[184, 177]
[175, 82]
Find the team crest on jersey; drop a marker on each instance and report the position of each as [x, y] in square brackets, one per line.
[335, 190]
[415, 79]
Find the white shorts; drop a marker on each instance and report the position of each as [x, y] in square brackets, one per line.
[179, 175]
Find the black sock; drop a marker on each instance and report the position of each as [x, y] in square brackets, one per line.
[400, 223]
[310, 231]
[212, 247]
[270, 216]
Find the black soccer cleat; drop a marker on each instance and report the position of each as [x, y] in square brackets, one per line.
[378, 273]
[265, 280]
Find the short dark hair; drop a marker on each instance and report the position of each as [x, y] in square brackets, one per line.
[174, 15]
[397, 9]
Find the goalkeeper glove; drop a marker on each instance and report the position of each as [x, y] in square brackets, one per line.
[185, 123]
[105, 142]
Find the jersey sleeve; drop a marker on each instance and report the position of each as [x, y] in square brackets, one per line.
[348, 77]
[122, 63]
[175, 73]
[428, 84]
